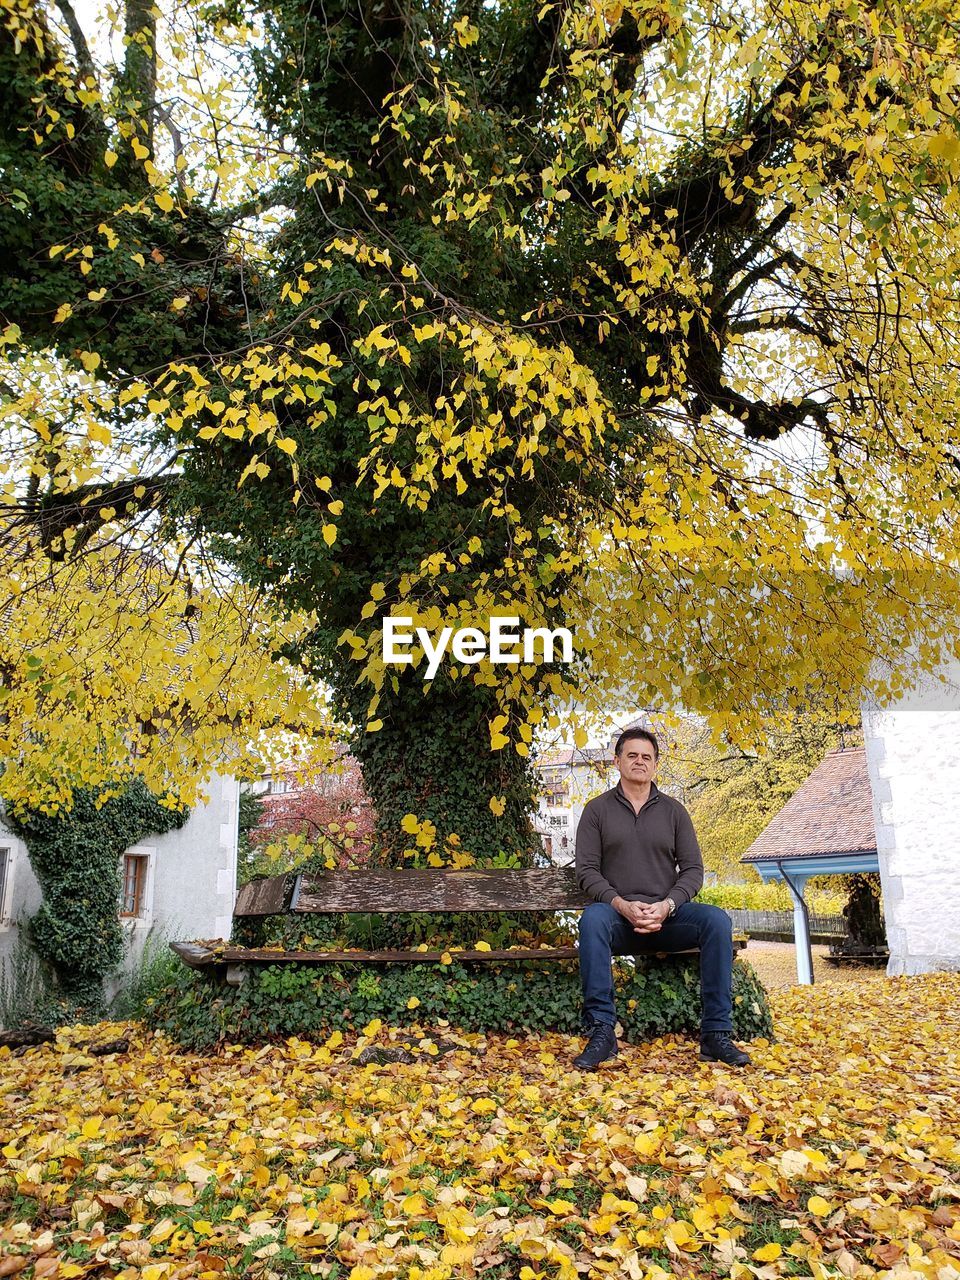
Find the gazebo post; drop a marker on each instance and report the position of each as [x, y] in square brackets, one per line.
[801, 926]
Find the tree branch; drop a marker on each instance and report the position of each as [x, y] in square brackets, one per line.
[80, 47]
[52, 516]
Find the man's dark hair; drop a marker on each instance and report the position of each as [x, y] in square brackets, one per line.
[638, 733]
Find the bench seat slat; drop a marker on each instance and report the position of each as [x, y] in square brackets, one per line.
[194, 954]
[265, 897]
[388, 892]
[202, 957]
[240, 955]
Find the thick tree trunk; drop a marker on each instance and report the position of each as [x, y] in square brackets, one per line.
[432, 758]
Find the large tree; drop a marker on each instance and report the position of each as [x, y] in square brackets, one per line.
[638, 316]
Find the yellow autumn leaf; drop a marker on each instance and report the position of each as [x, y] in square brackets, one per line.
[457, 1256]
[767, 1252]
[561, 1208]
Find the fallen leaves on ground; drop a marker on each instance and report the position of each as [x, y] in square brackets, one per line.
[836, 1155]
[776, 966]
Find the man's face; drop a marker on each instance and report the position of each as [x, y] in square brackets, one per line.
[637, 761]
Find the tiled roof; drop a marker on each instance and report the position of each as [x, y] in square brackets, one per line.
[831, 813]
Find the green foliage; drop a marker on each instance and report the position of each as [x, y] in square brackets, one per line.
[450, 769]
[76, 856]
[772, 896]
[146, 978]
[250, 814]
[654, 997]
[23, 986]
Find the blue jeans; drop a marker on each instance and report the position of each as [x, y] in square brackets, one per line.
[605, 933]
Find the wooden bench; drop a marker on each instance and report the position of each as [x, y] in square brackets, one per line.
[376, 892]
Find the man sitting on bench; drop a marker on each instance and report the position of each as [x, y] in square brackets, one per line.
[638, 858]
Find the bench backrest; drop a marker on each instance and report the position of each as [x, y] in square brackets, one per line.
[389, 892]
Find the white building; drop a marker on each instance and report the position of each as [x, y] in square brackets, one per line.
[913, 758]
[891, 806]
[182, 884]
[569, 777]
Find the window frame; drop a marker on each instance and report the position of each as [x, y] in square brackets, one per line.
[141, 862]
[7, 848]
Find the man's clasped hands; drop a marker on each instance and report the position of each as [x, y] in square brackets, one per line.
[646, 917]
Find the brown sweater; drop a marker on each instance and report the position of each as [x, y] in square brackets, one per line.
[643, 857]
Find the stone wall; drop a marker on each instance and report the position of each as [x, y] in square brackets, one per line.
[913, 757]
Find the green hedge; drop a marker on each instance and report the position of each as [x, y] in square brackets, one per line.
[773, 896]
[655, 997]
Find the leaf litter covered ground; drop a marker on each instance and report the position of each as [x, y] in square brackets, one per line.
[836, 1155]
[775, 964]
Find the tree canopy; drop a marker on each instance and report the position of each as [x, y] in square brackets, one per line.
[732, 795]
[635, 317]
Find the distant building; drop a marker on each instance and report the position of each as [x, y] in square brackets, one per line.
[569, 777]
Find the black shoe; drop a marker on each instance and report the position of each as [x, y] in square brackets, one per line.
[716, 1046]
[602, 1046]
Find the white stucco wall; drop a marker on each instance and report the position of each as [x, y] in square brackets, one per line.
[191, 880]
[913, 757]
